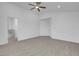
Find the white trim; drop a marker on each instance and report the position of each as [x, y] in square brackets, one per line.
[64, 40]
[2, 43]
[28, 38]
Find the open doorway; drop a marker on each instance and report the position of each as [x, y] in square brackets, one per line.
[45, 26]
[12, 27]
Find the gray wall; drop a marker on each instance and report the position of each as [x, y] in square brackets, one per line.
[63, 25]
[28, 22]
[3, 27]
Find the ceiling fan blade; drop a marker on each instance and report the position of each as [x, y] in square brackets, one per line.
[42, 7]
[31, 4]
[38, 3]
[32, 8]
[38, 9]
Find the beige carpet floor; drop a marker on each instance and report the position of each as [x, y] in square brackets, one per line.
[40, 46]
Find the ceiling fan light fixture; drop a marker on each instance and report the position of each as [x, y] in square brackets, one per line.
[36, 7]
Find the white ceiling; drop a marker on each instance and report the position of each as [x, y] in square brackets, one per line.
[52, 6]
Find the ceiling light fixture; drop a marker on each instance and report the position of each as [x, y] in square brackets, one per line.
[58, 6]
[37, 6]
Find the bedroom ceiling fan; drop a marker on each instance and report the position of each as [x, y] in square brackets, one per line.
[37, 6]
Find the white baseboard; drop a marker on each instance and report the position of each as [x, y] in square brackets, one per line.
[2, 43]
[28, 37]
[43, 35]
[64, 39]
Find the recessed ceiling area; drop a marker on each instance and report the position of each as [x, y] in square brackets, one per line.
[52, 6]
